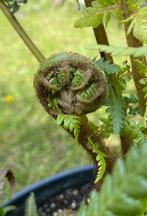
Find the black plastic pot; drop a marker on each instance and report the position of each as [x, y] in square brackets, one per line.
[50, 187]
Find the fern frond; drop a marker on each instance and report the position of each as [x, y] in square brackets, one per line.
[116, 110]
[30, 207]
[125, 192]
[123, 51]
[139, 25]
[100, 159]
[107, 67]
[71, 123]
[102, 166]
[96, 14]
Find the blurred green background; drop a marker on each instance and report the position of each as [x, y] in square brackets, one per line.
[30, 141]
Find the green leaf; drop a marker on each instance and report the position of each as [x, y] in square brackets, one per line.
[71, 123]
[124, 193]
[107, 67]
[116, 110]
[60, 118]
[123, 51]
[99, 12]
[30, 207]
[100, 159]
[139, 25]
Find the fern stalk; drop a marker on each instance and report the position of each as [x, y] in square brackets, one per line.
[133, 42]
[100, 36]
[23, 35]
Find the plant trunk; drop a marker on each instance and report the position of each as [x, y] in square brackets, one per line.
[133, 42]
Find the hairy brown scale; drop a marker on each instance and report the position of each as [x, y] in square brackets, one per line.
[73, 82]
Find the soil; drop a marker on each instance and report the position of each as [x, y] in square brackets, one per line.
[68, 201]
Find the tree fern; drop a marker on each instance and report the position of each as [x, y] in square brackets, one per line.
[31, 208]
[134, 131]
[71, 123]
[125, 192]
[123, 51]
[100, 159]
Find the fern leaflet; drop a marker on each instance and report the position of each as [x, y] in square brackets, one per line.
[96, 14]
[139, 25]
[100, 159]
[107, 67]
[123, 51]
[71, 123]
[125, 192]
[116, 110]
[30, 207]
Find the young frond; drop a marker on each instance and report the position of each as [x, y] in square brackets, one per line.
[100, 159]
[71, 123]
[30, 207]
[139, 25]
[125, 192]
[123, 51]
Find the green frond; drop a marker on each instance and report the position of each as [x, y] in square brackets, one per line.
[100, 159]
[71, 123]
[125, 191]
[99, 12]
[57, 80]
[107, 67]
[134, 5]
[134, 132]
[30, 207]
[101, 166]
[116, 109]
[123, 51]
[88, 93]
[52, 103]
[139, 25]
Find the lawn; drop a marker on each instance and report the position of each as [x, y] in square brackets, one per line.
[30, 141]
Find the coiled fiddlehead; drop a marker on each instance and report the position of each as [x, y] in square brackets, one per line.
[70, 83]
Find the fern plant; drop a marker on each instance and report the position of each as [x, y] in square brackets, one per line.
[70, 86]
[30, 206]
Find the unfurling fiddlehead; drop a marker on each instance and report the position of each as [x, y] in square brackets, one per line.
[68, 86]
[71, 84]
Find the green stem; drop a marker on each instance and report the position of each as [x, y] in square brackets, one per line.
[18, 28]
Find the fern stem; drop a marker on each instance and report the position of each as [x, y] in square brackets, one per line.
[133, 42]
[101, 36]
[18, 28]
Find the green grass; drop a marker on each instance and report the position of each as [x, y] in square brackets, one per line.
[30, 141]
